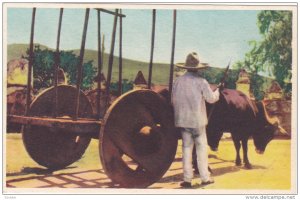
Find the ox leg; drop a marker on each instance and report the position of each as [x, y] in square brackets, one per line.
[237, 146]
[245, 153]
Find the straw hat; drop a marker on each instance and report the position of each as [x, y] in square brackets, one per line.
[192, 62]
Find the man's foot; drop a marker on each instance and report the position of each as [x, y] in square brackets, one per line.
[210, 181]
[186, 184]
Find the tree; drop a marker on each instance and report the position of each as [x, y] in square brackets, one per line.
[276, 27]
[126, 86]
[214, 76]
[273, 54]
[43, 65]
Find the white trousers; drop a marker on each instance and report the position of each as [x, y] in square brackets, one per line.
[191, 136]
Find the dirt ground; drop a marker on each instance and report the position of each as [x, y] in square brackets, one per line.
[271, 171]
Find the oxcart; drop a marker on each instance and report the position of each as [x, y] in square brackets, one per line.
[137, 137]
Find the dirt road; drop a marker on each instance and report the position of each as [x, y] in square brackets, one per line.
[271, 171]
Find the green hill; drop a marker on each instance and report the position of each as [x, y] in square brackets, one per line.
[160, 73]
[18, 50]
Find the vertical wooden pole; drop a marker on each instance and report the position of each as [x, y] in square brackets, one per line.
[79, 67]
[152, 48]
[31, 55]
[172, 54]
[99, 66]
[111, 59]
[57, 61]
[120, 88]
[103, 49]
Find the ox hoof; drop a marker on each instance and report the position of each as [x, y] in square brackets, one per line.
[248, 166]
[238, 163]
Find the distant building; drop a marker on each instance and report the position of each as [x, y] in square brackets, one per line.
[103, 81]
[243, 82]
[92, 95]
[140, 81]
[17, 72]
[278, 106]
[275, 91]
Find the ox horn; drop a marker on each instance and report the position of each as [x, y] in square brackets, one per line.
[282, 130]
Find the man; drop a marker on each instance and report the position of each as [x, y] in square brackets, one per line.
[189, 94]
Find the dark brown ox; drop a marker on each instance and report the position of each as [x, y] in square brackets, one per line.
[243, 118]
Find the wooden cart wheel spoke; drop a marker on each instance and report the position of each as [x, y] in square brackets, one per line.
[49, 146]
[131, 163]
[131, 152]
[138, 125]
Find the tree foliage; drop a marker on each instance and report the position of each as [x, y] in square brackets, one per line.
[276, 26]
[43, 66]
[273, 54]
[216, 76]
[126, 86]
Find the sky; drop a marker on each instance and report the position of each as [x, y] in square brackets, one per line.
[216, 35]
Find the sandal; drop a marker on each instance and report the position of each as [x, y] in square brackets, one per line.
[210, 181]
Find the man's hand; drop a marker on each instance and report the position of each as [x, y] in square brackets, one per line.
[220, 86]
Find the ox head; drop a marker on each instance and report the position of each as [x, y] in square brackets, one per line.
[263, 137]
[213, 140]
[265, 133]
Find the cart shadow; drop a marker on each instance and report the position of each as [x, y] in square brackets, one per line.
[35, 177]
[34, 170]
[81, 179]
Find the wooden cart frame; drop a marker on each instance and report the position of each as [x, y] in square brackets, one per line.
[146, 137]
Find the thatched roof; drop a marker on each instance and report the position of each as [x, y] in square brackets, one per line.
[140, 79]
[275, 87]
[103, 79]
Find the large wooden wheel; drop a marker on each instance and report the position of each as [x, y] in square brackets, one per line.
[137, 139]
[52, 147]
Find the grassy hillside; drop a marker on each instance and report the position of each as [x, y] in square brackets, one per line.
[17, 50]
[160, 73]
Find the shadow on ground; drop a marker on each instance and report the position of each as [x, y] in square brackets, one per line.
[36, 177]
[82, 179]
[34, 170]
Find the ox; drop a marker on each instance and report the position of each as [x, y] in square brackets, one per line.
[243, 118]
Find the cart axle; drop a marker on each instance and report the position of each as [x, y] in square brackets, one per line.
[80, 126]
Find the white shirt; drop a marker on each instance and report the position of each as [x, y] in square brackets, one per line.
[188, 98]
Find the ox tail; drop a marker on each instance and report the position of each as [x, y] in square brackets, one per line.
[264, 116]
